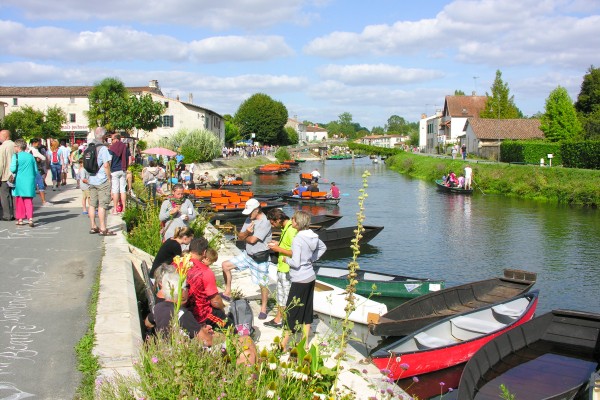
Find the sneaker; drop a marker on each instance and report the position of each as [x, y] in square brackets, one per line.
[84, 213]
[47, 204]
[273, 324]
[262, 315]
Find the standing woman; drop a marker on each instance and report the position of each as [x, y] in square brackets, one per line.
[306, 249]
[55, 166]
[24, 167]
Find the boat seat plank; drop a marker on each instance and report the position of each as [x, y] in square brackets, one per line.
[503, 309]
[368, 276]
[426, 341]
[466, 328]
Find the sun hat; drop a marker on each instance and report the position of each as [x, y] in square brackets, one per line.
[251, 205]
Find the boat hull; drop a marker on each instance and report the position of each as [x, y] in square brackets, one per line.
[237, 212]
[424, 310]
[311, 200]
[557, 350]
[388, 285]
[341, 238]
[454, 190]
[413, 363]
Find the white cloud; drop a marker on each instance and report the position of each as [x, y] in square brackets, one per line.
[248, 15]
[239, 48]
[377, 74]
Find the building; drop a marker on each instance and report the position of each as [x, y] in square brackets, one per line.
[457, 109]
[74, 101]
[299, 127]
[484, 136]
[387, 141]
[429, 132]
[314, 133]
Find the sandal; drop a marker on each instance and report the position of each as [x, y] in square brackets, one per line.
[93, 231]
[107, 233]
[20, 222]
[31, 224]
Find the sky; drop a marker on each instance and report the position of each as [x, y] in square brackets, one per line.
[320, 58]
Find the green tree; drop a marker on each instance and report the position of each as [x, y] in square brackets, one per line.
[560, 120]
[143, 113]
[292, 135]
[347, 128]
[107, 100]
[333, 128]
[458, 92]
[396, 125]
[232, 132]
[588, 104]
[500, 104]
[378, 130]
[262, 115]
[197, 145]
[28, 122]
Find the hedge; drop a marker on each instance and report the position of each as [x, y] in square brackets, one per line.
[584, 154]
[529, 152]
[382, 151]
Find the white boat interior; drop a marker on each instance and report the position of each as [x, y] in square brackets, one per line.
[368, 276]
[464, 327]
[331, 300]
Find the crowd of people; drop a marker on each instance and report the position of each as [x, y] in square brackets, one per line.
[313, 186]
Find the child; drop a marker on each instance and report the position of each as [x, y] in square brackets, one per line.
[210, 257]
[83, 177]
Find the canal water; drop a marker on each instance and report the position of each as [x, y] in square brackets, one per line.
[459, 238]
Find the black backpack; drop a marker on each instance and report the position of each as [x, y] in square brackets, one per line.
[90, 159]
[242, 316]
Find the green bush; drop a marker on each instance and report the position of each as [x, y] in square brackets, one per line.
[529, 152]
[197, 145]
[282, 154]
[365, 149]
[584, 154]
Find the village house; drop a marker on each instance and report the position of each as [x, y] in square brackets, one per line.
[299, 127]
[484, 136]
[429, 132]
[314, 133]
[74, 101]
[387, 141]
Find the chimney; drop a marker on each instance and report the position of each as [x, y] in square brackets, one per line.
[191, 98]
[153, 84]
[474, 93]
[423, 116]
[177, 97]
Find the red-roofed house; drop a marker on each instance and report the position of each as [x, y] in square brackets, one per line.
[387, 141]
[314, 133]
[483, 136]
[457, 109]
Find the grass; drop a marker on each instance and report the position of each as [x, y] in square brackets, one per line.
[568, 186]
[88, 363]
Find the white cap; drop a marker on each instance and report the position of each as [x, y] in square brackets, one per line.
[251, 205]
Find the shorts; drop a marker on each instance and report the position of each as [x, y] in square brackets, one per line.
[119, 182]
[85, 193]
[283, 287]
[39, 183]
[100, 195]
[258, 271]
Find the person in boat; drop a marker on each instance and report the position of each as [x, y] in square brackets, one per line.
[306, 249]
[452, 179]
[303, 188]
[283, 248]
[468, 177]
[315, 175]
[461, 181]
[334, 191]
[296, 190]
[314, 187]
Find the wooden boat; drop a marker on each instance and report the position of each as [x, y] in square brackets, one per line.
[300, 160]
[232, 185]
[456, 190]
[311, 198]
[388, 285]
[424, 310]
[223, 212]
[549, 357]
[324, 220]
[272, 169]
[291, 163]
[330, 301]
[306, 177]
[340, 157]
[453, 340]
[341, 238]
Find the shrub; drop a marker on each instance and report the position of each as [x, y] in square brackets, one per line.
[529, 152]
[282, 154]
[584, 154]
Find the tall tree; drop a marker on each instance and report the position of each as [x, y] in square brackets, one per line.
[144, 113]
[262, 115]
[500, 104]
[588, 104]
[107, 100]
[378, 130]
[560, 121]
[346, 126]
[29, 122]
[396, 125]
[458, 92]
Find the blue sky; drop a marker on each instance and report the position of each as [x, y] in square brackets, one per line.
[320, 58]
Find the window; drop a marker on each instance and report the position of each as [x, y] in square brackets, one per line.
[167, 121]
[166, 104]
[15, 101]
[72, 101]
[72, 117]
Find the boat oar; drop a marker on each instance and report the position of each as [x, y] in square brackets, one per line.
[475, 183]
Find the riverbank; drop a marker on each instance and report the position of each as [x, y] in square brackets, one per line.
[558, 185]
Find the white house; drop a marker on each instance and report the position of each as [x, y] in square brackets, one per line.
[299, 127]
[387, 141]
[314, 133]
[457, 109]
[429, 132]
[74, 101]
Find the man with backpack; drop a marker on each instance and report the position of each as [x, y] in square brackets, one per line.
[96, 161]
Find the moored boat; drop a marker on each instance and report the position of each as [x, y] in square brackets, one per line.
[448, 189]
[306, 177]
[550, 357]
[424, 310]
[271, 169]
[453, 340]
[388, 285]
[231, 185]
[311, 198]
[324, 220]
[341, 238]
[234, 211]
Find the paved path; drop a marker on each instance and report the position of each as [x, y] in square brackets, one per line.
[46, 275]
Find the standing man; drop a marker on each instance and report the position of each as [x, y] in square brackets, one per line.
[119, 152]
[40, 160]
[315, 175]
[100, 185]
[463, 150]
[7, 149]
[64, 154]
[256, 232]
[468, 177]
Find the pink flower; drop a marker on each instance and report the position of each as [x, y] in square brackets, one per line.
[404, 366]
[415, 379]
[154, 359]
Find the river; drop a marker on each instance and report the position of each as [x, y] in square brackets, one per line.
[460, 238]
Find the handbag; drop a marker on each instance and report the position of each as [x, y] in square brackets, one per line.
[261, 256]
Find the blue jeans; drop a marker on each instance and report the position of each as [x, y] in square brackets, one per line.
[56, 169]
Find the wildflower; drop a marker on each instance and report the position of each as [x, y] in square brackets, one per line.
[385, 371]
[450, 390]
[364, 371]
[415, 379]
[404, 366]
[98, 382]
[390, 391]
[154, 359]
[442, 384]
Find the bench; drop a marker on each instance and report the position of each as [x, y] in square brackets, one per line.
[466, 328]
[426, 341]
